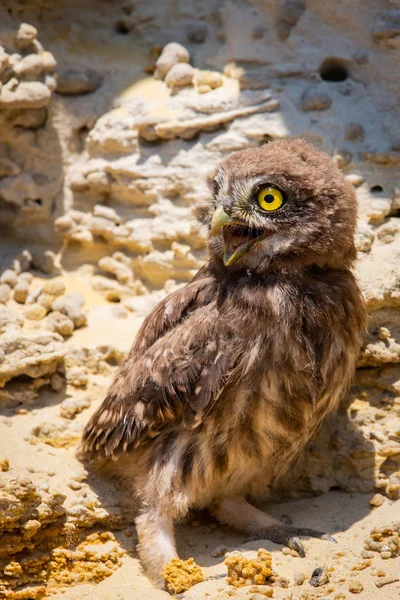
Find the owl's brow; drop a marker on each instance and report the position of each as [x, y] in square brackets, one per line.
[243, 188]
[222, 182]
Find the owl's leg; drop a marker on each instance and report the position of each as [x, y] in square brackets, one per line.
[156, 543]
[241, 515]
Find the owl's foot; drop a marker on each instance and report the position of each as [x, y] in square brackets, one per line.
[279, 533]
[241, 515]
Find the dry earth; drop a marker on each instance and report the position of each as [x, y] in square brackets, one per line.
[103, 155]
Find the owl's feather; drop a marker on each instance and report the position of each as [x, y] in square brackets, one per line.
[182, 359]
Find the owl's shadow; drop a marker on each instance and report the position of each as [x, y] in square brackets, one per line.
[329, 489]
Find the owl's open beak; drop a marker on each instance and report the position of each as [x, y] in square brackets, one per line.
[238, 236]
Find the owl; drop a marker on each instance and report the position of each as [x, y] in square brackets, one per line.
[231, 375]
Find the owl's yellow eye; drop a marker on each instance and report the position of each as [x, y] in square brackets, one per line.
[270, 198]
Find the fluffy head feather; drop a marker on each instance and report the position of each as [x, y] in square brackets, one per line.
[316, 224]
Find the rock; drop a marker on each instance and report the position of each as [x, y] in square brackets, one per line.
[319, 576]
[196, 32]
[27, 509]
[73, 406]
[172, 54]
[290, 12]
[57, 382]
[356, 587]
[9, 277]
[35, 312]
[355, 179]
[21, 291]
[71, 305]
[213, 79]
[25, 36]
[364, 237]
[25, 277]
[299, 578]
[23, 262]
[33, 354]
[46, 262]
[4, 465]
[354, 132]
[32, 118]
[219, 551]
[75, 81]
[377, 500]
[120, 269]
[8, 168]
[60, 323]
[5, 293]
[31, 66]
[9, 320]
[179, 75]
[106, 213]
[315, 99]
[46, 300]
[28, 94]
[54, 287]
[59, 433]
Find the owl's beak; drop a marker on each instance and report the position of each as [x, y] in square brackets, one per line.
[238, 236]
[220, 218]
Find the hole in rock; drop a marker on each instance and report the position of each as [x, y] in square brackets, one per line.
[333, 69]
[121, 27]
[376, 189]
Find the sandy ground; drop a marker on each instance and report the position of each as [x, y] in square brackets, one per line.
[349, 517]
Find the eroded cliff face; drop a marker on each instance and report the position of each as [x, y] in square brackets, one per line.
[105, 146]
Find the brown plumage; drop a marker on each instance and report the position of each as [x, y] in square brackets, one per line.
[232, 374]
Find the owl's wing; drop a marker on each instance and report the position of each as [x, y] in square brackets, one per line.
[186, 358]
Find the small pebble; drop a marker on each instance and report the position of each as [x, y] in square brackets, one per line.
[299, 578]
[54, 287]
[4, 465]
[286, 551]
[319, 577]
[5, 293]
[35, 312]
[385, 581]
[219, 551]
[9, 277]
[356, 587]
[21, 292]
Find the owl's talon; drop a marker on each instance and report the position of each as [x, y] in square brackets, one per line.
[295, 544]
[328, 538]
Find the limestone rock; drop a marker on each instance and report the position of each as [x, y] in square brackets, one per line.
[172, 54]
[32, 354]
[21, 291]
[75, 81]
[26, 511]
[315, 99]
[5, 293]
[9, 320]
[28, 94]
[25, 35]
[290, 12]
[9, 277]
[60, 323]
[71, 305]
[179, 75]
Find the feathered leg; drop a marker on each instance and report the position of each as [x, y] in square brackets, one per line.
[241, 515]
[156, 543]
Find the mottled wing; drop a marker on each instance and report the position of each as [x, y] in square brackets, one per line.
[183, 358]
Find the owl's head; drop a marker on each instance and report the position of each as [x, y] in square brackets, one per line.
[284, 205]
